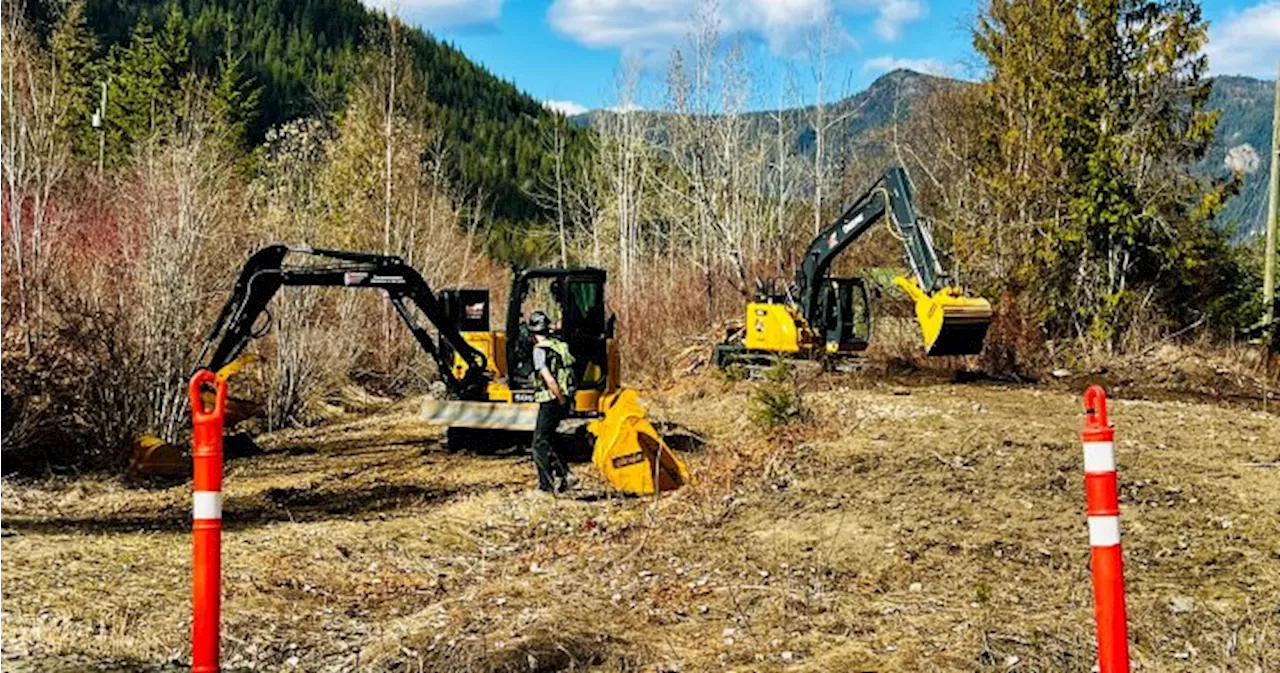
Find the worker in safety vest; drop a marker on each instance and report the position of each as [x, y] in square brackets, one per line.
[553, 391]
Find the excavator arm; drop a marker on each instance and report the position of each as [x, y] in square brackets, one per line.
[952, 324]
[266, 272]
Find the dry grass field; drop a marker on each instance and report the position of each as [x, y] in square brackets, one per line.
[934, 526]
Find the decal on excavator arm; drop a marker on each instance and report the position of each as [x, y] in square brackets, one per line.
[852, 223]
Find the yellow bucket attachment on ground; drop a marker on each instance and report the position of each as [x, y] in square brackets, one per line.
[951, 323]
[630, 453]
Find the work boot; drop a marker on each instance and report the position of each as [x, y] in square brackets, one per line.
[566, 482]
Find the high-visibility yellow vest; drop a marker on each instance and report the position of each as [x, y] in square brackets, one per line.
[560, 364]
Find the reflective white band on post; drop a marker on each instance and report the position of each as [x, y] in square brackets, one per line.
[1099, 457]
[1104, 531]
[206, 505]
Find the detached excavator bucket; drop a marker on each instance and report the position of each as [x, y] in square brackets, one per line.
[950, 322]
[630, 453]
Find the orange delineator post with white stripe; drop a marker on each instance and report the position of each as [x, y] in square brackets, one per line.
[206, 525]
[1102, 499]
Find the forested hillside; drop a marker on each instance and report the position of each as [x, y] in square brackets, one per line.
[298, 59]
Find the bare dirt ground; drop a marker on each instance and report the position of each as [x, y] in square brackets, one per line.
[935, 527]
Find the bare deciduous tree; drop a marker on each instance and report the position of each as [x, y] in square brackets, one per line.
[35, 155]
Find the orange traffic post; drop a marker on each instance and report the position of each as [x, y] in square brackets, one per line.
[1103, 505]
[206, 525]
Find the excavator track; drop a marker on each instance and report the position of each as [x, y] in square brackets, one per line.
[757, 364]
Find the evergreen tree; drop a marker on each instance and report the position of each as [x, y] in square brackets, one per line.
[72, 47]
[145, 79]
[1092, 114]
[233, 102]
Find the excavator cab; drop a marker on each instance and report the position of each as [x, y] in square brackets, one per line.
[574, 298]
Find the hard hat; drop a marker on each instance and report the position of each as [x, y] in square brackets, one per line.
[539, 323]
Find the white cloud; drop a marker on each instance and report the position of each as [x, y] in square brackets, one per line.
[1247, 42]
[625, 108]
[929, 66]
[441, 13]
[657, 24]
[620, 23]
[567, 108]
[894, 13]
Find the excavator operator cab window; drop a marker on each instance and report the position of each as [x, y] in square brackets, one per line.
[770, 290]
[584, 308]
[574, 300]
[468, 308]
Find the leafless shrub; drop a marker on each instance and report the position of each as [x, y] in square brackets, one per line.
[179, 208]
[126, 318]
[35, 157]
[111, 409]
[309, 356]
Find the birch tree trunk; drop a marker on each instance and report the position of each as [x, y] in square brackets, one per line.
[14, 158]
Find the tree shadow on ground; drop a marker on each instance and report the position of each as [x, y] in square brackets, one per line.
[301, 504]
[78, 663]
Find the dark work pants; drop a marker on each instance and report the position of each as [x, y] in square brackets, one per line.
[549, 463]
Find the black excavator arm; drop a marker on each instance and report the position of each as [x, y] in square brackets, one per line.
[890, 194]
[265, 273]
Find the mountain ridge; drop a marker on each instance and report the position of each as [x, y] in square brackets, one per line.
[1245, 103]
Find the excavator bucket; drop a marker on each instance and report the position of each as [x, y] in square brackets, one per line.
[630, 453]
[962, 329]
[950, 322]
[480, 415]
[152, 456]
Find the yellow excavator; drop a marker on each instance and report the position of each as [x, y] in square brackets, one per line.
[825, 317]
[487, 374]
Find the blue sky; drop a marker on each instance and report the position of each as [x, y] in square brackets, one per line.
[568, 52]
